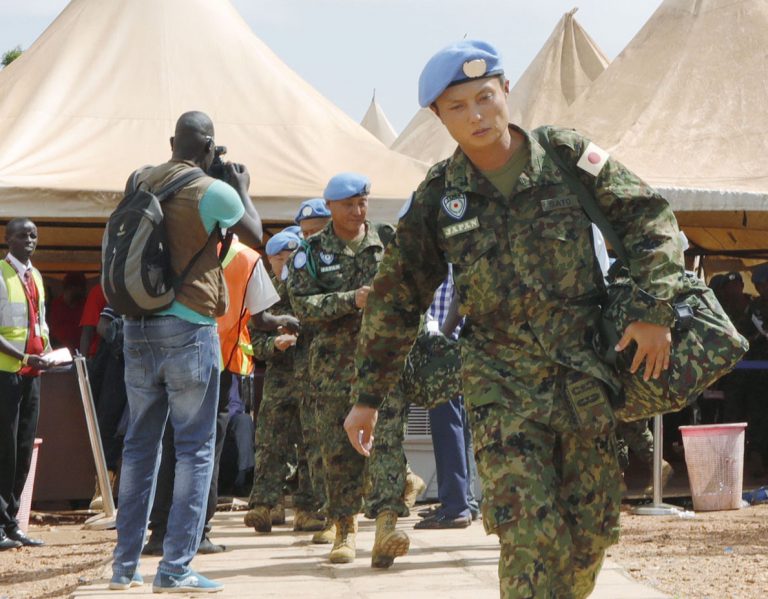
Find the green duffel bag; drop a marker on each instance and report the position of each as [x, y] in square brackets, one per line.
[705, 346]
[432, 372]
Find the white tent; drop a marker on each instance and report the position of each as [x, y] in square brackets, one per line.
[684, 105]
[564, 67]
[97, 95]
[377, 123]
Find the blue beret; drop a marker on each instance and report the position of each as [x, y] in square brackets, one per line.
[282, 241]
[760, 274]
[314, 208]
[294, 229]
[457, 63]
[347, 185]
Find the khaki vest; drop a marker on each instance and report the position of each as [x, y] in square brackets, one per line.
[203, 289]
[14, 317]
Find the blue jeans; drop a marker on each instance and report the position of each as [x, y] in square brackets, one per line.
[171, 371]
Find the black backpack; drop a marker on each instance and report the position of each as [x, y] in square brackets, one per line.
[136, 273]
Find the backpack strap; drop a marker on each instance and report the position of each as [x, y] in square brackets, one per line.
[178, 182]
[586, 197]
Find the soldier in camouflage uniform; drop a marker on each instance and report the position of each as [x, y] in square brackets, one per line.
[278, 428]
[311, 217]
[328, 284]
[525, 273]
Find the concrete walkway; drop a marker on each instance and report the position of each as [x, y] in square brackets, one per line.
[444, 564]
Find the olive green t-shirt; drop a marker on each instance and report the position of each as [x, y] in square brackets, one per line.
[505, 178]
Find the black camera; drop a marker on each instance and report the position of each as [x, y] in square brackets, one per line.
[216, 169]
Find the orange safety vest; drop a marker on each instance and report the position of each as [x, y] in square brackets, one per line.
[236, 350]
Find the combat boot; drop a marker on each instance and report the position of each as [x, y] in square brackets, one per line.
[304, 521]
[258, 518]
[277, 513]
[343, 551]
[327, 535]
[414, 487]
[389, 542]
[97, 503]
[666, 474]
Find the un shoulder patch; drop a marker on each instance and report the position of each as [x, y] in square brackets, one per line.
[300, 260]
[405, 208]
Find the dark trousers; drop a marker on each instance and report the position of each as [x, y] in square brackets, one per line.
[237, 456]
[447, 424]
[19, 411]
[111, 401]
[158, 517]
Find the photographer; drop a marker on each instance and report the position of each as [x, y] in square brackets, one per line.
[172, 361]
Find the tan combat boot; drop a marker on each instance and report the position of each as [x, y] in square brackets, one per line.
[389, 542]
[414, 486]
[666, 474]
[259, 519]
[343, 551]
[327, 535]
[97, 503]
[304, 521]
[277, 513]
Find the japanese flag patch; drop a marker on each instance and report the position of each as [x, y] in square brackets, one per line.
[593, 159]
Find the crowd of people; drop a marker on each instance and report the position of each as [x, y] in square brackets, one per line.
[493, 249]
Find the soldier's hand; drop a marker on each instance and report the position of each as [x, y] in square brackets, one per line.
[654, 343]
[283, 342]
[289, 324]
[361, 296]
[359, 424]
[237, 176]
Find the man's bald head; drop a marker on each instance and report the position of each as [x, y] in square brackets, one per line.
[193, 138]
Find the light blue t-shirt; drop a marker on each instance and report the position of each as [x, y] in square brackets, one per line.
[220, 204]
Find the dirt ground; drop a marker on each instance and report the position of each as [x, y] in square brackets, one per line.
[715, 555]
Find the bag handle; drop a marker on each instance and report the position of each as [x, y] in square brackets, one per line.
[586, 198]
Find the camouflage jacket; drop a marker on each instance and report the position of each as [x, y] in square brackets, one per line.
[279, 363]
[323, 277]
[525, 274]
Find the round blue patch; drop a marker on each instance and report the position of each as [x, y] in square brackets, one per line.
[299, 260]
[405, 207]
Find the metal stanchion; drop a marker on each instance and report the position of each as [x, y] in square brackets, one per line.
[106, 519]
[658, 507]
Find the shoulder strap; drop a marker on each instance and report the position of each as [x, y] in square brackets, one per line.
[178, 182]
[586, 198]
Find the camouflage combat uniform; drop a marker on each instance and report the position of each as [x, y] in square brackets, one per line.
[308, 414]
[278, 430]
[526, 279]
[321, 284]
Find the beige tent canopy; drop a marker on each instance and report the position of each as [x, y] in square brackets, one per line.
[564, 67]
[97, 95]
[377, 123]
[684, 105]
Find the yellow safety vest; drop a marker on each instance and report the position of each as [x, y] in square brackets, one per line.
[14, 313]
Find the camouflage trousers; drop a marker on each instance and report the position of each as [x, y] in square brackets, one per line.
[311, 439]
[552, 495]
[343, 467]
[278, 443]
[386, 468]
